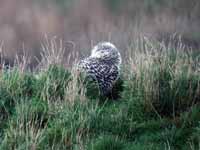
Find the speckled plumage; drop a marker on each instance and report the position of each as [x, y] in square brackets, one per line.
[103, 65]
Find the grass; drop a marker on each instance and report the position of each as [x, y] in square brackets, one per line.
[57, 108]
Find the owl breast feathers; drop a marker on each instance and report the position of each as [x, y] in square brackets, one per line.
[103, 65]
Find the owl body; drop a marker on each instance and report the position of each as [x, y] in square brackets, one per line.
[103, 66]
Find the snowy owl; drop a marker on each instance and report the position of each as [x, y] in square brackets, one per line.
[103, 65]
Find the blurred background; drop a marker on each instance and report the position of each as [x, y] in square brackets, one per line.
[25, 23]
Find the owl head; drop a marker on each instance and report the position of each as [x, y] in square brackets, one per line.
[106, 51]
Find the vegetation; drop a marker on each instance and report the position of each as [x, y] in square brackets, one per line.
[57, 108]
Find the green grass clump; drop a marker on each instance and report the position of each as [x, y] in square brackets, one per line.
[52, 82]
[166, 81]
[26, 123]
[106, 142]
[91, 86]
[154, 105]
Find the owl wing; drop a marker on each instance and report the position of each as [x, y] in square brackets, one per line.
[103, 73]
[109, 74]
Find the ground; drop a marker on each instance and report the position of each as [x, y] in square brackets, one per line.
[158, 107]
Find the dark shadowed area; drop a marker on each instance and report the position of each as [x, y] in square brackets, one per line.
[82, 23]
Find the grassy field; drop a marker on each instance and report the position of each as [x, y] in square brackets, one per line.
[57, 108]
